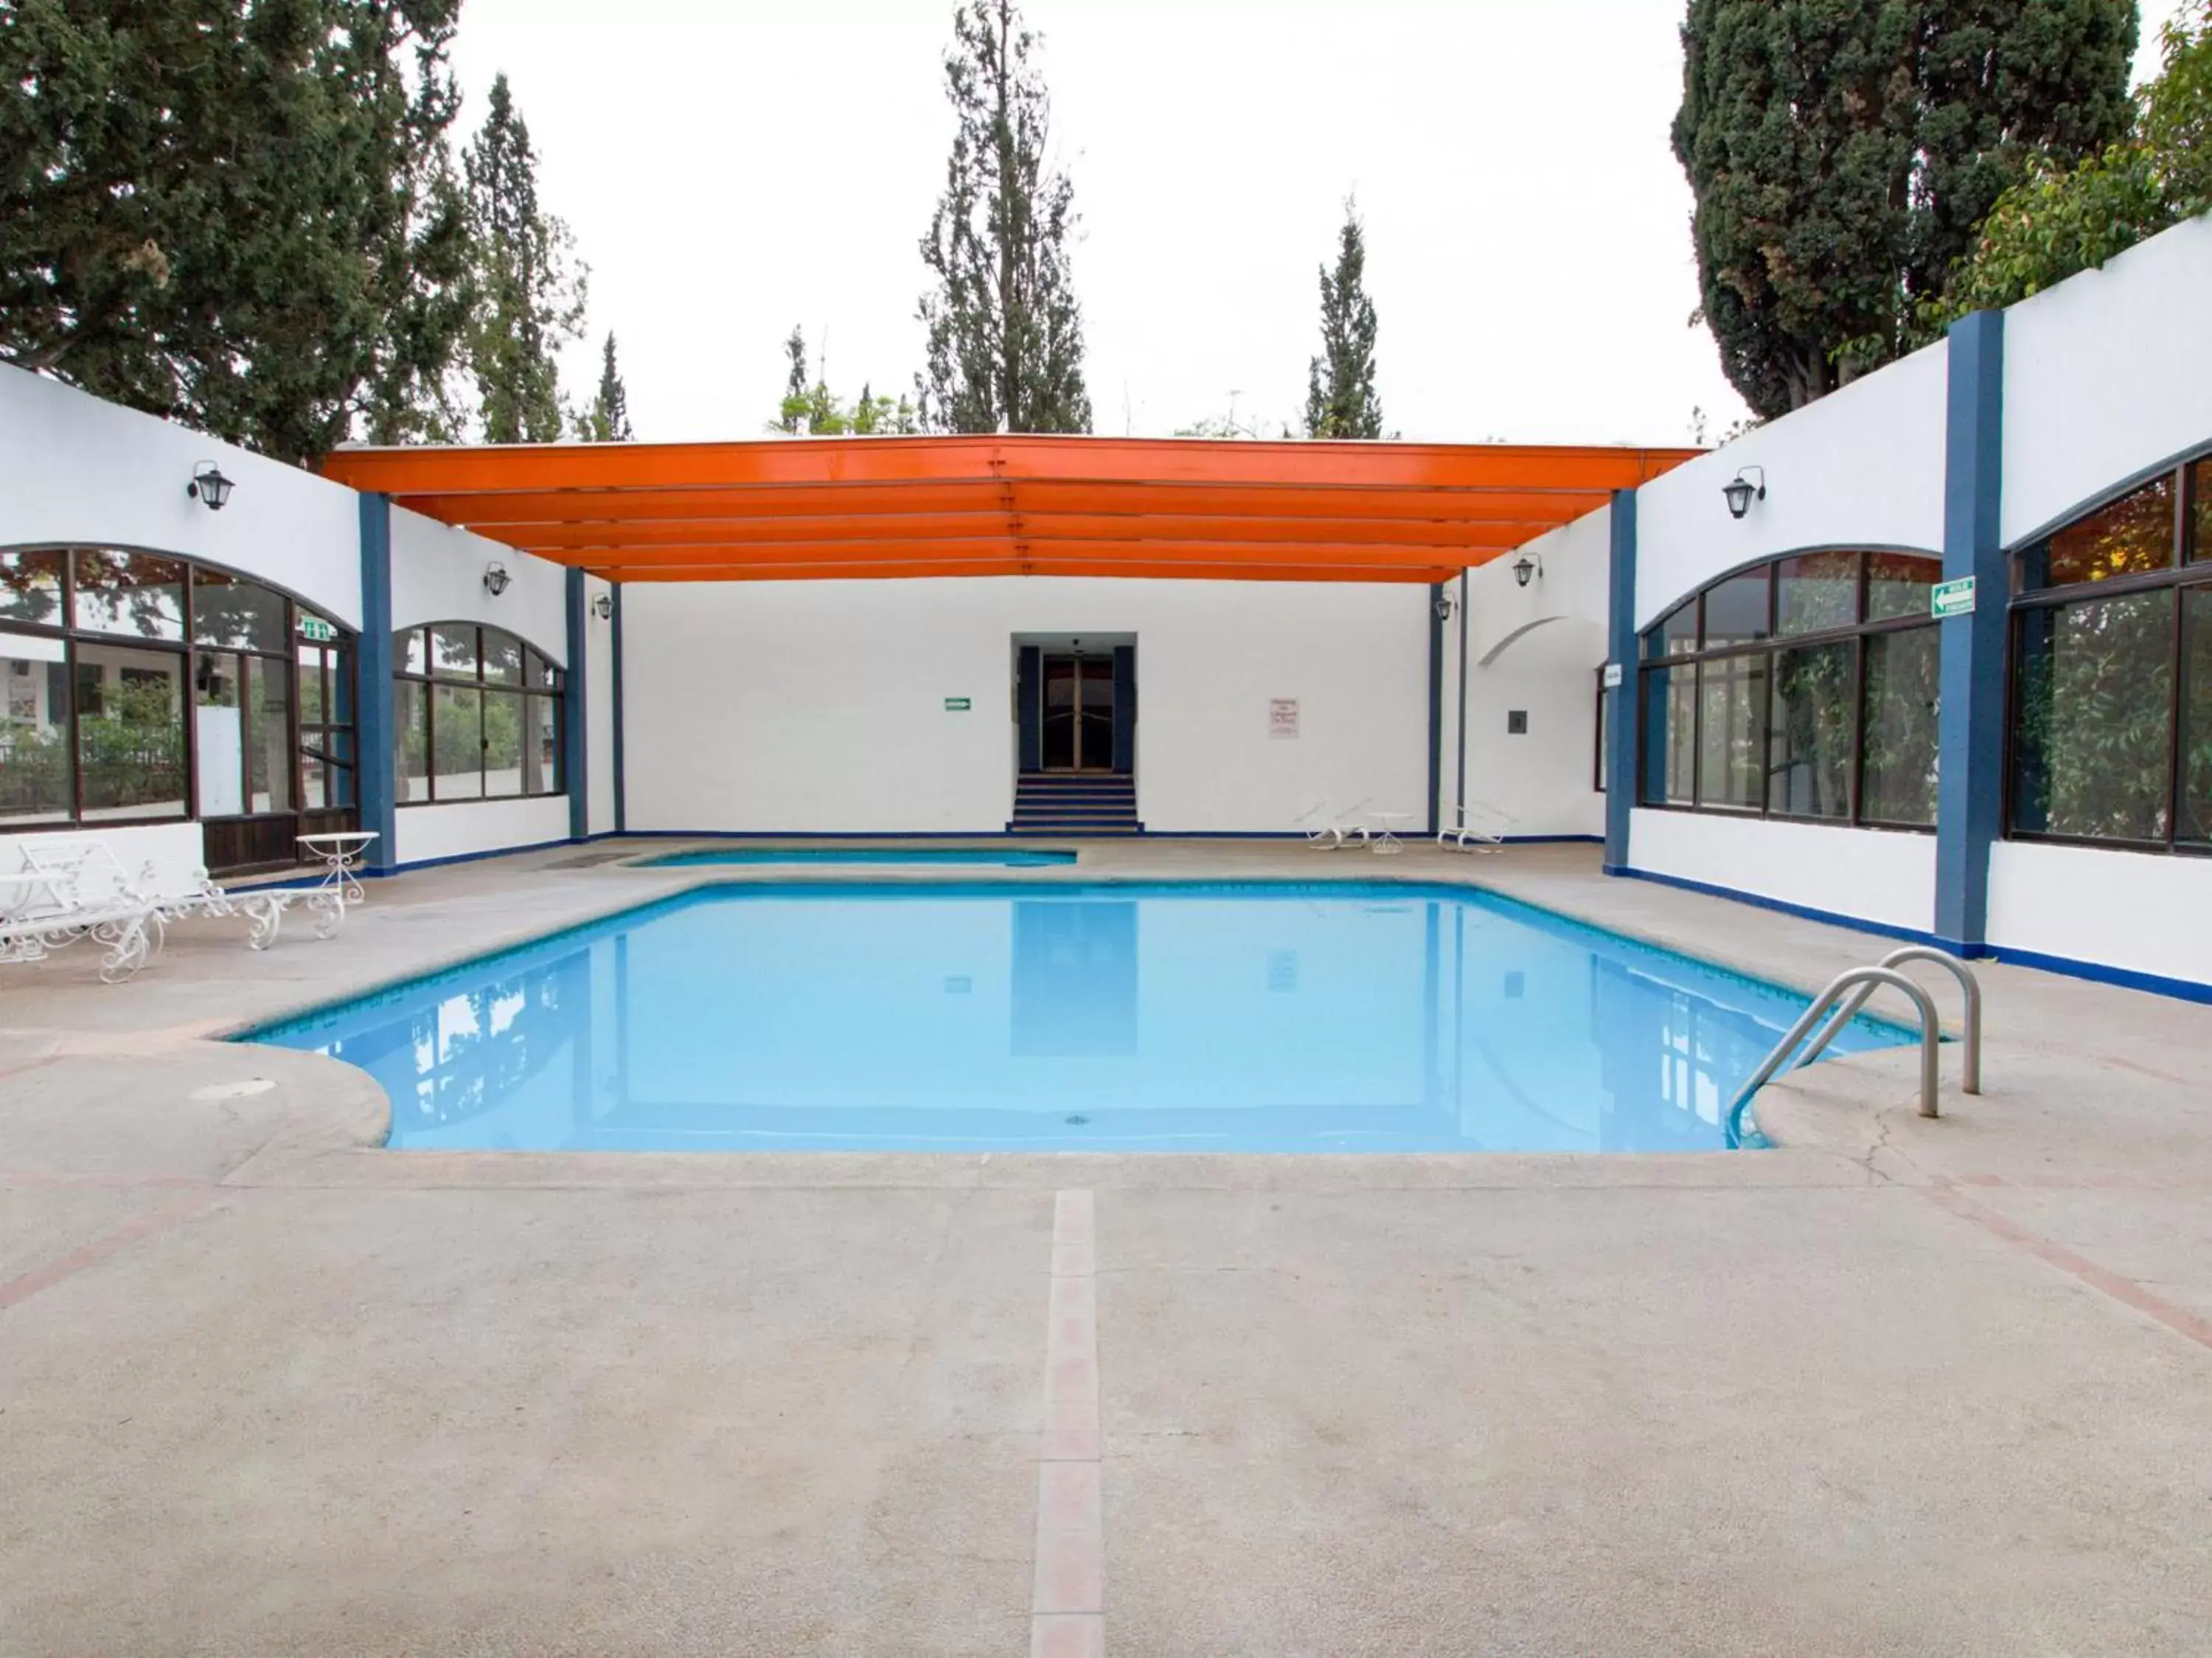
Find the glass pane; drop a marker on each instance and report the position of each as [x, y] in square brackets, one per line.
[502, 657]
[130, 732]
[268, 751]
[2200, 543]
[537, 672]
[2091, 754]
[1732, 732]
[408, 652]
[31, 587]
[1808, 755]
[1676, 632]
[411, 747]
[311, 685]
[313, 795]
[341, 785]
[1669, 723]
[229, 610]
[453, 652]
[339, 659]
[2135, 532]
[132, 593]
[1904, 682]
[541, 751]
[218, 733]
[1899, 583]
[457, 750]
[503, 738]
[1816, 592]
[35, 757]
[1735, 611]
[2195, 823]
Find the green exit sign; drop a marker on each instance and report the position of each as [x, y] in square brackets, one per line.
[314, 627]
[1952, 598]
[957, 705]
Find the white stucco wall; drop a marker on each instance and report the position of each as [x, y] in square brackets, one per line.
[1863, 468]
[466, 828]
[820, 705]
[84, 471]
[437, 575]
[2105, 377]
[1870, 874]
[173, 852]
[2144, 911]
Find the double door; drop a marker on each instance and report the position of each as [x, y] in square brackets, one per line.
[1078, 713]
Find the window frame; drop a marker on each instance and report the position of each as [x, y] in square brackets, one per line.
[188, 651]
[523, 691]
[1653, 661]
[2188, 568]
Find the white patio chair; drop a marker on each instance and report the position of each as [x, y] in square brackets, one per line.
[1481, 828]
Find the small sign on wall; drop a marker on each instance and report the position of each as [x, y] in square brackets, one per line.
[1282, 716]
[1613, 676]
[957, 705]
[1952, 598]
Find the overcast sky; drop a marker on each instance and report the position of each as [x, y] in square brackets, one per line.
[731, 168]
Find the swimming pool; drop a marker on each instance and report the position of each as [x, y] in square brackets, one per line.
[1010, 857]
[1002, 1016]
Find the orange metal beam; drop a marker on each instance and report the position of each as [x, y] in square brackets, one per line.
[716, 554]
[816, 572]
[551, 539]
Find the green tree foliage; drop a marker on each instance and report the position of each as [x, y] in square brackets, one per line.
[530, 285]
[1340, 399]
[811, 408]
[607, 421]
[1843, 154]
[242, 218]
[1004, 329]
[2061, 220]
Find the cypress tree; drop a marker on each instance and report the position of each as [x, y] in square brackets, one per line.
[1340, 399]
[1004, 348]
[1844, 152]
[792, 410]
[529, 287]
[607, 421]
[241, 217]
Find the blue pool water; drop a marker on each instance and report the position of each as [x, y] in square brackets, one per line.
[1011, 857]
[1001, 1016]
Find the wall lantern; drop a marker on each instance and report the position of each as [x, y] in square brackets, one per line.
[1524, 567]
[1444, 606]
[604, 607]
[210, 485]
[495, 578]
[1741, 491]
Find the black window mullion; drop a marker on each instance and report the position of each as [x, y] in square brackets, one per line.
[2174, 678]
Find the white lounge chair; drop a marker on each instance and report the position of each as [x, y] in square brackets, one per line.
[1326, 831]
[43, 909]
[1481, 828]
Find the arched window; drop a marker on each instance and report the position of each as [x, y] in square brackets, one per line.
[1804, 687]
[2112, 672]
[103, 651]
[475, 714]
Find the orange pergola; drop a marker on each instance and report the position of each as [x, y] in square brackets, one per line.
[800, 509]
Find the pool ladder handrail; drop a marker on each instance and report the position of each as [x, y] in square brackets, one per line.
[1865, 981]
[1970, 991]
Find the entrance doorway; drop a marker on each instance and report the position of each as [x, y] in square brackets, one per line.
[1078, 712]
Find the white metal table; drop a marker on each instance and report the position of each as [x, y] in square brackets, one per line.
[341, 852]
[1386, 832]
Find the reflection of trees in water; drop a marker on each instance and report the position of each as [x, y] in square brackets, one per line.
[463, 1073]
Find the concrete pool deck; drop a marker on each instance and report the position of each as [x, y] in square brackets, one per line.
[1897, 1387]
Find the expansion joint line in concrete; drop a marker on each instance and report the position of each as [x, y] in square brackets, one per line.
[1067, 1610]
[25, 1285]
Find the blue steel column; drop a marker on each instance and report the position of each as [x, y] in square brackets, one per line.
[374, 762]
[1435, 706]
[575, 727]
[622, 787]
[1621, 725]
[1970, 788]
